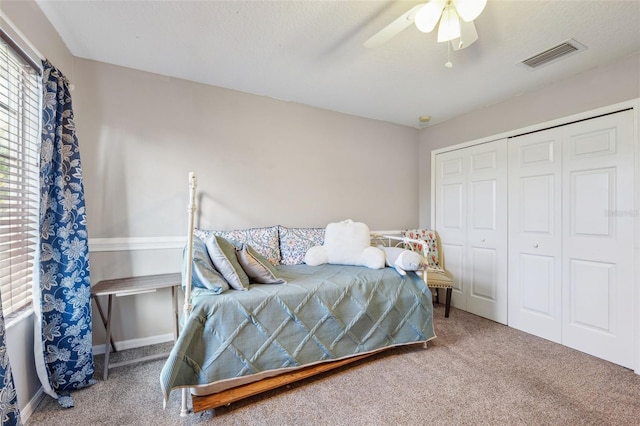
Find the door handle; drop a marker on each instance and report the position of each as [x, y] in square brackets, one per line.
[535, 245]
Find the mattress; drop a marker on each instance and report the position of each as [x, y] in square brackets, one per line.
[322, 313]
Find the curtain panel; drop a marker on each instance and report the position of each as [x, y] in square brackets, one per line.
[9, 410]
[63, 297]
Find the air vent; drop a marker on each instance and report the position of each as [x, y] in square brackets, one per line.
[556, 53]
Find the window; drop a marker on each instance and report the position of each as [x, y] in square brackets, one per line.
[20, 114]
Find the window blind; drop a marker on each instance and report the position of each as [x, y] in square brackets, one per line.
[20, 114]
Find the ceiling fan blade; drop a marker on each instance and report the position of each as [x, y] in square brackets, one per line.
[469, 9]
[393, 28]
[468, 35]
[429, 15]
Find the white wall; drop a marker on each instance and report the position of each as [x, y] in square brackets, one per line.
[602, 86]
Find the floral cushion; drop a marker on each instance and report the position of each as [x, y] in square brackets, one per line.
[429, 236]
[262, 240]
[294, 243]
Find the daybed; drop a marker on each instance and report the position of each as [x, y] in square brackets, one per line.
[235, 343]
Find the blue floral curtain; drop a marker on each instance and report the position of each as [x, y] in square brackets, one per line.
[9, 411]
[64, 353]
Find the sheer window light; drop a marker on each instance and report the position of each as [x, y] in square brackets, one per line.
[20, 114]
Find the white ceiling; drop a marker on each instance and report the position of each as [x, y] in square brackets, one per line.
[311, 52]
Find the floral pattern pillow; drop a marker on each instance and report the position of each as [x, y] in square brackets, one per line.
[429, 237]
[294, 243]
[262, 240]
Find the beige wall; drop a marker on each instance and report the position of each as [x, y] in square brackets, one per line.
[599, 87]
[259, 161]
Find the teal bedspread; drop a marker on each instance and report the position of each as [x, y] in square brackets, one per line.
[322, 313]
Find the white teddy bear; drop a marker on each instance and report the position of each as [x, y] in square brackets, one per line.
[346, 243]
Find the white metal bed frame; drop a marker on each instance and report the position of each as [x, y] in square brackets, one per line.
[187, 307]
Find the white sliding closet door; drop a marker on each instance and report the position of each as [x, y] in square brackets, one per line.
[598, 214]
[535, 233]
[571, 230]
[471, 220]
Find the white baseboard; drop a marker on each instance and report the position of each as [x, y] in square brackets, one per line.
[30, 407]
[135, 343]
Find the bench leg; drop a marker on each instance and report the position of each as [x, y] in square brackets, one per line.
[437, 299]
[447, 305]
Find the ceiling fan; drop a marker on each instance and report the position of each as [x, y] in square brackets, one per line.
[455, 16]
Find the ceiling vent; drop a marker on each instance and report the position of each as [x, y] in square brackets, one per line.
[554, 54]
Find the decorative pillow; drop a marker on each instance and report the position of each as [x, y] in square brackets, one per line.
[257, 267]
[429, 236]
[203, 273]
[316, 255]
[263, 240]
[346, 243]
[402, 260]
[294, 243]
[223, 255]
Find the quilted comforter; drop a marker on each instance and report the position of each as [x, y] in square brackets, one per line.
[322, 313]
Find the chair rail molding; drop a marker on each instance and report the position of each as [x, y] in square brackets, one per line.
[157, 243]
[136, 243]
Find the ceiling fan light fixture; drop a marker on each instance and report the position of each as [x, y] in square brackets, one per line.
[469, 9]
[428, 15]
[449, 28]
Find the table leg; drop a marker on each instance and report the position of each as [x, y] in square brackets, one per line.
[174, 299]
[104, 320]
[108, 340]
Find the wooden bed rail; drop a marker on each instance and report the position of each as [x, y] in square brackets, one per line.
[226, 397]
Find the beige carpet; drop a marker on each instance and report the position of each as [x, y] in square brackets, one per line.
[475, 372]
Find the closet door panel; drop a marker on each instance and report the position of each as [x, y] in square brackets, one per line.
[484, 213]
[483, 273]
[598, 310]
[537, 284]
[535, 234]
[536, 204]
[592, 197]
[471, 219]
[452, 206]
[451, 218]
[487, 231]
[593, 290]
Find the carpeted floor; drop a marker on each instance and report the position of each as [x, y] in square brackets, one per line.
[476, 372]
